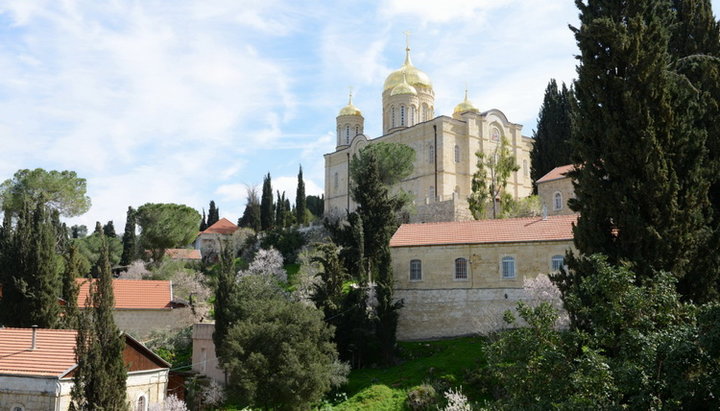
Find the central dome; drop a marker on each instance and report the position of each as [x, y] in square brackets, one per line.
[414, 76]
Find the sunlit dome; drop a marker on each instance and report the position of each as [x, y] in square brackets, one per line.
[403, 88]
[350, 109]
[465, 105]
[414, 76]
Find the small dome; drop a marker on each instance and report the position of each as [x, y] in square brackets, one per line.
[350, 109]
[413, 75]
[465, 106]
[403, 88]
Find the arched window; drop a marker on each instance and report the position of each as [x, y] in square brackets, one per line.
[415, 270]
[357, 130]
[141, 404]
[412, 116]
[402, 115]
[392, 115]
[457, 154]
[557, 201]
[495, 134]
[460, 269]
[347, 134]
[508, 267]
[556, 262]
[431, 154]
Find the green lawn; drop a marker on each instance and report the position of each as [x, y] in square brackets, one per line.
[440, 363]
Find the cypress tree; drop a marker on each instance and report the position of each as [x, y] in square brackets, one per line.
[300, 200]
[552, 145]
[639, 176]
[203, 223]
[42, 275]
[100, 378]
[213, 214]
[70, 288]
[129, 239]
[225, 294]
[251, 215]
[280, 210]
[109, 230]
[267, 215]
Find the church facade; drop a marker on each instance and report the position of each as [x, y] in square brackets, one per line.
[445, 148]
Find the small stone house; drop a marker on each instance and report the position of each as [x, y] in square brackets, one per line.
[457, 278]
[209, 241]
[143, 306]
[204, 359]
[37, 367]
[555, 189]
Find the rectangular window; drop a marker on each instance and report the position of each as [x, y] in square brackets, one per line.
[415, 270]
[557, 262]
[508, 267]
[461, 269]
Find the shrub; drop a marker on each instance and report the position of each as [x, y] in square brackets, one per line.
[421, 397]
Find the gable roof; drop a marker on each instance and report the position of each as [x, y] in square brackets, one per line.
[222, 226]
[54, 353]
[133, 294]
[556, 173]
[509, 230]
[183, 254]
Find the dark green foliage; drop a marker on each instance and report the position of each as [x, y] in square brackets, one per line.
[349, 235]
[203, 222]
[422, 397]
[129, 240]
[490, 180]
[224, 298]
[278, 353]
[109, 230]
[394, 161]
[640, 183]
[281, 212]
[300, 200]
[328, 295]
[78, 231]
[90, 249]
[287, 241]
[164, 226]
[251, 215]
[316, 205]
[213, 214]
[29, 270]
[99, 379]
[552, 146]
[267, 210]
[57, 190]
[70, 289]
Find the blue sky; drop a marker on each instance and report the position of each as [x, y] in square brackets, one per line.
[191, 101]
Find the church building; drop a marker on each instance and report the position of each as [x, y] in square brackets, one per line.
[445, 147]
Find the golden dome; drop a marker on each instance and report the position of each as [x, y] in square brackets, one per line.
[350, 109]
[413, 76]
[403, 88]
[465, 106]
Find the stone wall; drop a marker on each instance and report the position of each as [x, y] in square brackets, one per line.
[453, 209]
[203, 356]
[547, 190]
[34, 394]
[141, 323]
[152, 385]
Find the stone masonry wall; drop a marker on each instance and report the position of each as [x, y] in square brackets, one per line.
[141, 323]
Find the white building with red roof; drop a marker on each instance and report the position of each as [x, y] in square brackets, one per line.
[456, 278]
[209, 240]
[555, 189]
[37, 366]
[143, 306]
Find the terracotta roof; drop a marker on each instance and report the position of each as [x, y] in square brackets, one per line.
[183, 254]
[134, 294]
[222, 226]
[555, 174]
[54, 354]
[509, 230]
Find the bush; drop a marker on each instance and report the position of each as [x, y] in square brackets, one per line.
[421, 397]
[287, 241]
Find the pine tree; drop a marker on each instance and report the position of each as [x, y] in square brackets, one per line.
[490, 180]
[100, 377]
[203, 223]
[552, 146]
[640, 181]
[300, 200]
[213, 214]
[129, 239]
[267, 215]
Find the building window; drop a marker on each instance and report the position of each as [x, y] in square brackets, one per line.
[357, 130]
[460, 269]
[17, 408]
[336, 181]
[457, 154]
[412, 115]
[392, 115]
[141, 404]
[526, 171]
[495, 134]
[415, 270]
[557, 201]
[557, 262]
[508, 267]
[402, 115]
[431, 154]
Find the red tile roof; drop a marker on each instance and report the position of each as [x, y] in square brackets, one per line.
[556, 173]
[134, 294]
[183, 254]
[222, 226]
[54, 354]
[510, 230]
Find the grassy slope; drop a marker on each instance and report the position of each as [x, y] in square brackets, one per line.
[436, 361]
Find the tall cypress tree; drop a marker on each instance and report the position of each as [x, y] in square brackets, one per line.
[280, 210]
[213, 214]
[552, 145]
[203, 223]
[267, 215]
[70, 289]
[639, 175]
[100, 377]
[251, 215]
[300, 200]
[129, 239]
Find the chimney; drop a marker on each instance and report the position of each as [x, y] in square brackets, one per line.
[34, 337]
